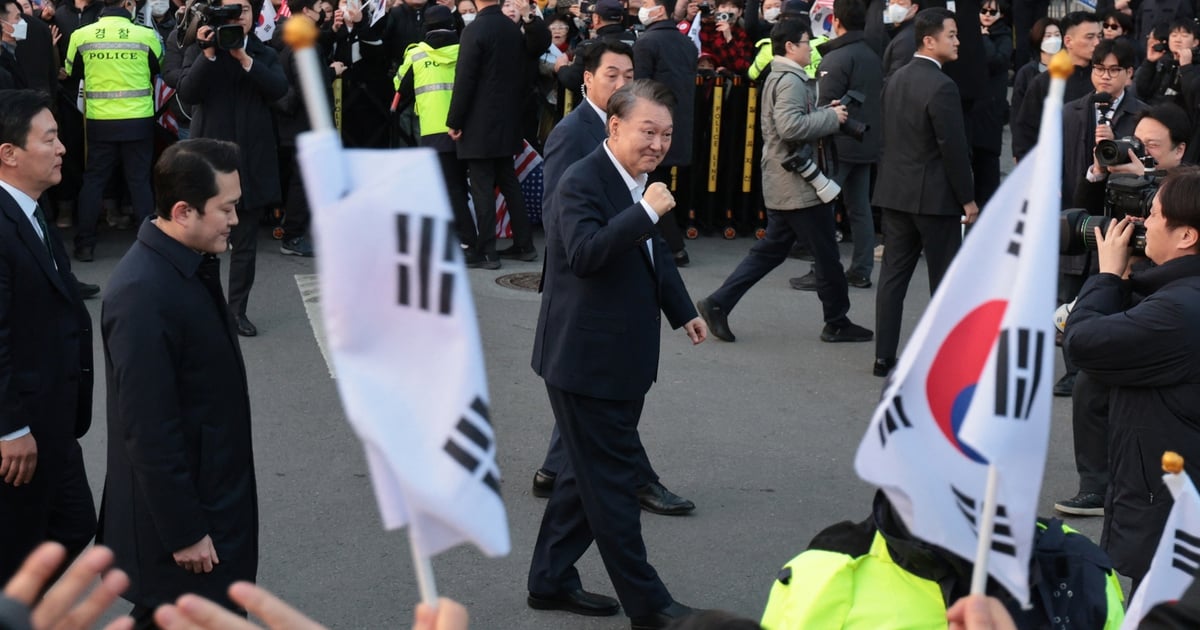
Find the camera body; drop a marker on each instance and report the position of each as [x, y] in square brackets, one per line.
[856, 129]
[706, 9]
[800, 161]
[226, 35]
[724, 16]
[1129, 196]
[1116, 152]
[1124, 196]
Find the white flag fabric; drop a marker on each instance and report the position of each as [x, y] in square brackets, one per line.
[1177, 560]
[973, 384]
[404, 341]
[693, 33]
[265, 28]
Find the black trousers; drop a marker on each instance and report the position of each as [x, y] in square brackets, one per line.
[595, 499]
[244, 241]
[486, 176]
[296, 215]
[904, 237]
[668, 224]
[454, 173]
[986, 168]
[556, 459]
[1089, 428]
[56, 505]
[812, 226]
[135, 157]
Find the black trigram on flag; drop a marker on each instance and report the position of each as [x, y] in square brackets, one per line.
[1002, 537]
[1186, 555]
[1014, 241]
[416, 282]
[1019, 354]
[472, 444]
[894, 419]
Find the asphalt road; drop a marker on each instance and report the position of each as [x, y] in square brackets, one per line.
[760, 433]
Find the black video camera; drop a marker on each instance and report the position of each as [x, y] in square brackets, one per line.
[1124, 196]
[854, 128]
[706, 9]
[1077, 233]
[1116, 152]
[227, 31]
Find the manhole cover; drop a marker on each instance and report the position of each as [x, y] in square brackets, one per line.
[520, 281]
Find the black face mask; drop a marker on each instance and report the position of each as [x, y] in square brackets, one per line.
[321, 18]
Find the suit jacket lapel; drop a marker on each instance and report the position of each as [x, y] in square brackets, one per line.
[37, 248]
[619, 198]
[595, 126]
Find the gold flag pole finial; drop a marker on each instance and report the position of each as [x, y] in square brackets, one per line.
[1172, 462]
[1060, 67]
[300, 32]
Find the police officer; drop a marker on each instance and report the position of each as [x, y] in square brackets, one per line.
[117, 61]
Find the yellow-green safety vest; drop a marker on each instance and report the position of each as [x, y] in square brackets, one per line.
[433, 83]
[117, 80]
[763, 58]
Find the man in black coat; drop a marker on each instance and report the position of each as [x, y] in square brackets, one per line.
[1081, 33]
[37, 57]
[664, 54]
[45, 349]
[180, 508]
[924, 185]
[607, 282]
[232, 92]
[1145, 351]
[485, 114]
[901, 46]
[606, 25]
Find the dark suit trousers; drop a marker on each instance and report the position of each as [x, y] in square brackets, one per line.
[813, 226]
[1089, 427]
[594, 499]
[57, 505]
[454, 173]
[486, 176]
[556, 459]
[904, 236]
[244, 240]
[135, 158]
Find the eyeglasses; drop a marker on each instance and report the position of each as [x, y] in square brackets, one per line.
[1113, 27]
[989, 12]
[1108, 71]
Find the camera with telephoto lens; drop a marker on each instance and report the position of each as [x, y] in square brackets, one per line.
[856, 129]
[224, 20]
[1116, 152]
[800, 162]
[1124, 196]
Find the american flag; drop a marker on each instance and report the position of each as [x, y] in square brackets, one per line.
[284, 11]
[529, 172]
[163, 94]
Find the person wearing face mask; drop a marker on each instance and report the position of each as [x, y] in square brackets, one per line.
[1081, 33]
[466, 12]
[900, 50]
[759, 28]
[1046, 38]
[35, 54]
[162, 13]
[13, 29]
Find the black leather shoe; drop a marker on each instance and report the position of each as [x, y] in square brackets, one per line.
[527, 254]
[883, 367]
[807, 282]
[543, 483]
[714, 316]
[858, 280]
[662, 618]
[654, 497]
[849, 332]
[579, 602]
[682, 259]
[244, 327]
[85, 254]
[87, 291]
[1065, 386]
[480, 261]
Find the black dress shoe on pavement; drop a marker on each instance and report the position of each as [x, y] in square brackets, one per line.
[527, 254]
[480, 261]
[244, 327]
[1082, 504]
[714, 316]
[858, 280]
[662, 618]
[579, 602]
[543, 483]
[1065, 386]
[883, 367]
[849, 332]
[87, 291]
[85, 254]
[807, 282]
[654, 497]
[682, 259]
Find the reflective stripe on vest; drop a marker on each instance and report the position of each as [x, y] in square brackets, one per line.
[114, 46]
[433, 87]
[117, 94]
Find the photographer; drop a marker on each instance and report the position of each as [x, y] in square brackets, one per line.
[795, 193]
[232, 83]
[1136, 333]
[1162, 131]
[1169, 73]
[722, 36]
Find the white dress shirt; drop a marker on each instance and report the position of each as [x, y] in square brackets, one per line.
[637, 188]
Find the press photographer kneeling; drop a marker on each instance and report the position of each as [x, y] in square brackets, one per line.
[1135, 333]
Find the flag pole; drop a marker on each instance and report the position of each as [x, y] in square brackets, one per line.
[423, 565]
[980, 573]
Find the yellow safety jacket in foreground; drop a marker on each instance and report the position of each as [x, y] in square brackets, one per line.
[119, 60]
[433, 83]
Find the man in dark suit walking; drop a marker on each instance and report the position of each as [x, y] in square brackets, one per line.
[180, 509]
[607, 66]
[607, 281]
[45, 348]
[924, 186]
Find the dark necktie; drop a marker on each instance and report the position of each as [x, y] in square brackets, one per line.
[40, 217]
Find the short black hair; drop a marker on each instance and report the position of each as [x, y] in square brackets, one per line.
[296, 6]
[789, 30]
[1182, 24]
[851, 13]
[1075, 18]
[1003, 6]
[1038, 32]
[594, 49]
[621, 103]
[930, 23]
[1119, 48]
[1179, 196]
[1171, 116]
[17, 110]
[187, 172]
[1125, 21]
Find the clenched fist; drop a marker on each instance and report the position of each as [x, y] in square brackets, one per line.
[660, 198]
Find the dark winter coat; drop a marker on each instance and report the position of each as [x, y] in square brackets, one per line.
[990, 113]
[849, 63]
[664, 54]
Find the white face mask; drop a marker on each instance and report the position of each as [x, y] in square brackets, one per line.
[1051, 45]
[644, 16]
[159, 8]
[19, 30]
[896, 13]
[772, 15]
[468, 18]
